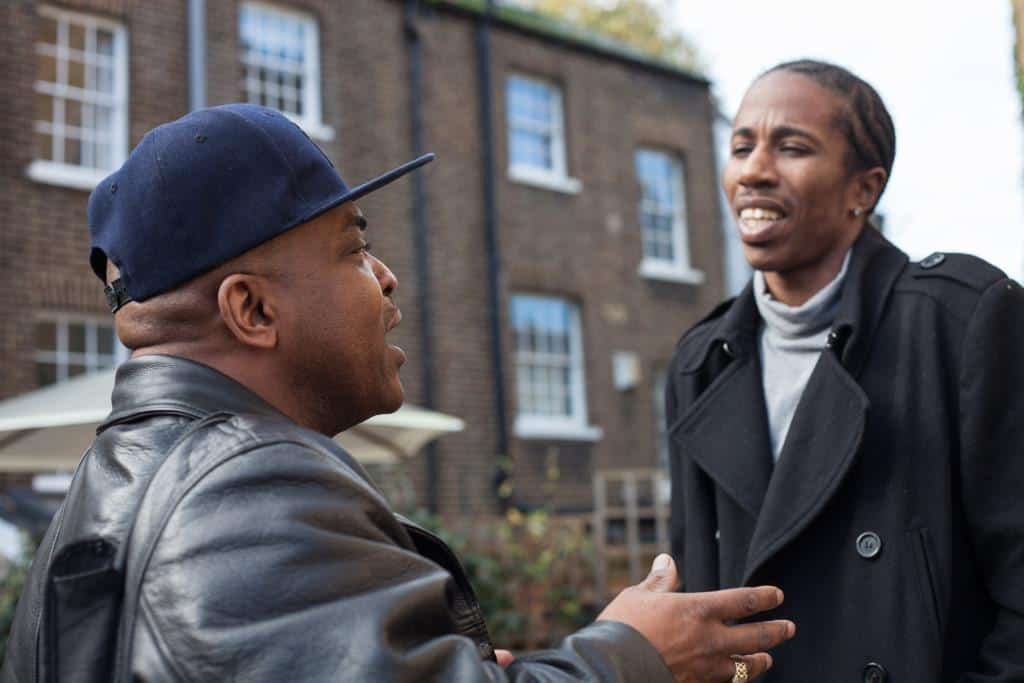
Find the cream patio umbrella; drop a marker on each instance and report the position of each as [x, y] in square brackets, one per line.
[48, 430]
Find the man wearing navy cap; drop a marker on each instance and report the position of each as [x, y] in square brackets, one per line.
[214, 531]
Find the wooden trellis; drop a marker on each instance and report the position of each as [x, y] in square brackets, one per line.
[631, 511]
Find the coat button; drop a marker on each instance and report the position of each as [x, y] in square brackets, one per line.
[869, 545]
[727, 349]
[875, 673]
[932, 261]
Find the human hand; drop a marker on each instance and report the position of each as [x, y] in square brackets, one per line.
[504, 657]
[689, 630]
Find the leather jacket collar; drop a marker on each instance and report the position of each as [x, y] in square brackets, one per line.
[169, 384]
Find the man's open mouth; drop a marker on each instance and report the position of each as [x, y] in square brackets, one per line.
[755, 220]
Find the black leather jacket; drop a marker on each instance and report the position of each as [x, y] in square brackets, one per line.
[272, 558]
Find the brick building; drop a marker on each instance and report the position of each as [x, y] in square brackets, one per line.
[593, 190]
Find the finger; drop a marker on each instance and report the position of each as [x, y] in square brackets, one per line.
[726, 668]
[739, 603]
[757, 637]
[663, 577]
[757, 664]
[504, 657]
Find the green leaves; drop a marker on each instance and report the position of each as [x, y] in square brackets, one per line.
[638, 23]
[533, 573]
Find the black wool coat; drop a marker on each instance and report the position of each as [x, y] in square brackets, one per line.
[894, 517]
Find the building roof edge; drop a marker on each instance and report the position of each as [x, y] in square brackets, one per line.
[547, 28]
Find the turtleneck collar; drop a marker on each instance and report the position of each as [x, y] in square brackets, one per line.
[810, 318]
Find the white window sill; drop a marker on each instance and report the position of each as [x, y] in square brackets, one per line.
[555, 430]
[527, 175]
[65, 175]
[314, 129]
[671, 272]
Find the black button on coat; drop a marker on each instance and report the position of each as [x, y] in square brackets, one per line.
[894, 517]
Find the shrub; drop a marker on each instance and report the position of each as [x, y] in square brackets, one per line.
[10, 589]
[533, 573]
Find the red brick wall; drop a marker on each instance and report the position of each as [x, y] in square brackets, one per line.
[43, 264]
[585, 246]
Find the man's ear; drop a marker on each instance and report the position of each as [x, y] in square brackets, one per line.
[868, 187]
[247, 309]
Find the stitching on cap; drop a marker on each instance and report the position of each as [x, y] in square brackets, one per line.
[264, 133]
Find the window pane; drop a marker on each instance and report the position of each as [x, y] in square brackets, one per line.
[531, 149]
[567, 383]
[104, 42]
[76, 337]
[533, 128]
[44, 107]
[76, 73]
[73, 113]
[48, 30]
[76, 37]
[94, 73]
[46, 373]
[104, 80]
[103, 122]
[73, 151]
[46, 336]
[660, 178]
[47, 69]
[103, 156]
[44, 146]
[544, 364]
[104, 339]
[274, 62]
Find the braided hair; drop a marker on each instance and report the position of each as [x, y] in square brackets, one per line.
[864, 120]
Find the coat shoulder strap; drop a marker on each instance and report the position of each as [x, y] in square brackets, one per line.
[150, 517]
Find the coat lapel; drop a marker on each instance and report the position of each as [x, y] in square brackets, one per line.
[726, 434]
[822, 443]
[828, 427]
[725, 431]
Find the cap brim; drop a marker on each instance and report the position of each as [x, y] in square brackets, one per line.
[382, 180]
[361, 190]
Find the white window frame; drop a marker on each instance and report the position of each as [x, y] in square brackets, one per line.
[72, 175]
[312, 99]
[557, 177]
[570, 427]
[91, 358]
[679, 268]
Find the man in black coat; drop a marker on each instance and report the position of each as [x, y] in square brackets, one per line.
[214, 531]
[851, 427]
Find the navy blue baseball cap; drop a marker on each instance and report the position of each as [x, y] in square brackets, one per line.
[206, 188]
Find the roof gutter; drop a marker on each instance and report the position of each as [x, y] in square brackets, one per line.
[486, 104]
[414, 49]
[196, 54]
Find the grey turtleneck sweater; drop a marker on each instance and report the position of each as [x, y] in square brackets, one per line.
[791, 340]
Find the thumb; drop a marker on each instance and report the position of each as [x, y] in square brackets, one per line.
[663, 577]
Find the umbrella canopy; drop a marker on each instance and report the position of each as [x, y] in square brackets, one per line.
[49, 429]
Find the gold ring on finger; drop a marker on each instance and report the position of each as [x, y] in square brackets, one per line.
[741, 672]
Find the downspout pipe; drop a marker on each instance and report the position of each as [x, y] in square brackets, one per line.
[196, 54]
[420, 233]
[483, 44]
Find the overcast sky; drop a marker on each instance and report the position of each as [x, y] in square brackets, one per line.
[945, 70]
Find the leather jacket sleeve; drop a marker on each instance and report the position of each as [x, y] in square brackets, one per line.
[281, 566]
[992, 435]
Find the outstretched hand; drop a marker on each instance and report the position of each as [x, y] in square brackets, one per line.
[691, 631]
